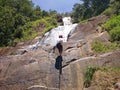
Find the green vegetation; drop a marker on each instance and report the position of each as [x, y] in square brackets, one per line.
[113, 24]
[113, 27]
[111, 71]
[51, 22]
[88, 9]
[88, 75]
[25, 32]
[28, 31]
[84, 21]
[114, 8]
[19, 19]
[99, 47]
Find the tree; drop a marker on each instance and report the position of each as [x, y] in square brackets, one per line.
[37, 13]
[52, 12]
[6, 25]
[89, 8]
[16, 20]
[45, 13]
[78, 12]
[13, 14]
[115, 5]
[99, 6]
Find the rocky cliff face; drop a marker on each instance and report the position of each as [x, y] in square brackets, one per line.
[39, 69]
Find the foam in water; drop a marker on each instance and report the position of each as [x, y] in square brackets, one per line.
[52, 37]
[67, 21]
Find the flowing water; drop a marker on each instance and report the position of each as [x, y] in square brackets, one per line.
[52, 37]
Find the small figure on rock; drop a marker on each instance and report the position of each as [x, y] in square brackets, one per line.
[59, 45]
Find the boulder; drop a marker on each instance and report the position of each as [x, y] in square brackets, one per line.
[40, 69]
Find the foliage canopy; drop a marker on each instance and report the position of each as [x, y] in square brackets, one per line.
[17, 18]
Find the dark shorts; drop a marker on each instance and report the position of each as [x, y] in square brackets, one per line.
[59, 47]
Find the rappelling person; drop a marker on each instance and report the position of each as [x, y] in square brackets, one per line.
[59, 45]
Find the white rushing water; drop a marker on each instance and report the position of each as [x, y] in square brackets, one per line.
[52, 37]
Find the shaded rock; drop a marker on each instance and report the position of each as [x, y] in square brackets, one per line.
[32, 61]
[19, 52]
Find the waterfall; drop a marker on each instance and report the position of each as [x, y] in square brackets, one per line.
[52, 37]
